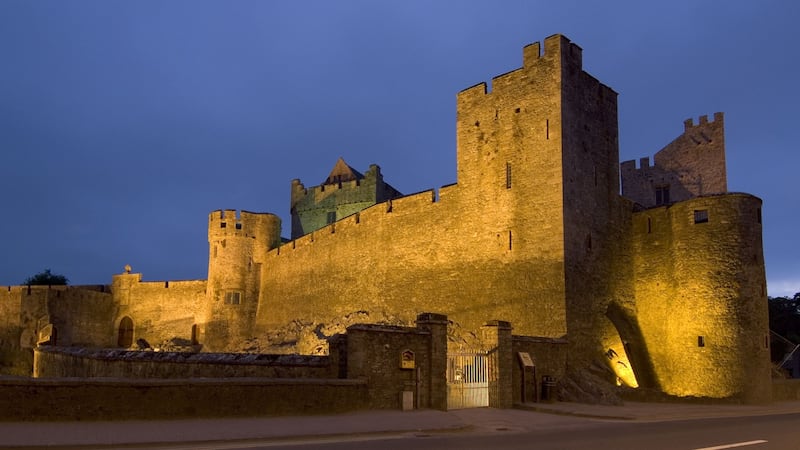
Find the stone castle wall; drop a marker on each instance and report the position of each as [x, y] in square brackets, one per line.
[159, 310]
[693, 164]
[491, 246]
[71, 362]
[81, 315]
[534, 232]
[701, 298]
[238, 245]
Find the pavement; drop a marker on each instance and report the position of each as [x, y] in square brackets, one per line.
[361, 425]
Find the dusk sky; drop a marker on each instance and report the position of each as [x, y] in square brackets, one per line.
[123, 124]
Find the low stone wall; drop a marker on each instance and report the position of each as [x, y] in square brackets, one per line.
[550, 359]
[374, 355]
[40, 399]
[111, 363]
[785, 390]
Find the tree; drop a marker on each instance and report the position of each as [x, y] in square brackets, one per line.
[46, 278]
[784, 319]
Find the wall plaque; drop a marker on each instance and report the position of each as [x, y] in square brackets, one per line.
[407, 359]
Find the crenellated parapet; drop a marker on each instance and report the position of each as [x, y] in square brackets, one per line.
[692, 165]
[343, 193]
[263, 227]
[558, 50]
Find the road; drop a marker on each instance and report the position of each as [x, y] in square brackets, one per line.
[777, 432]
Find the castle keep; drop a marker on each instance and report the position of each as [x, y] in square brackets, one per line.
[661, 277]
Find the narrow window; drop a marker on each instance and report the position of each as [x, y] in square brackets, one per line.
[766, 341]
[700, 216]
[701, 341]
[238, 226]
[588, 243]
[195, 341]
[662, 195]
[547, 129]
[358, 217]
[649, 226]
[389, 206]
[233, 298]
[508, 175]
[166, 284]
[331, 217]
[223, 224]
[509, 239]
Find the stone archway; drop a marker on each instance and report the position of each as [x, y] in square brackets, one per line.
[125, 336]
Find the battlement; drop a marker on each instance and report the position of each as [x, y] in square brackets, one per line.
[631, 166]
[688, 124]
[20, 288]
[555, 46]
[409, 204]
[369, 178]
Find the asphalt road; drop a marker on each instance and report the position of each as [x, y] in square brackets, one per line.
[745, 433]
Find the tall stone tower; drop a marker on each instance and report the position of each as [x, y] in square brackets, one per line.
[541, 149]
[238, 243]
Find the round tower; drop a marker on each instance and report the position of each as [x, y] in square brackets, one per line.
[704, 312]
[237, 245]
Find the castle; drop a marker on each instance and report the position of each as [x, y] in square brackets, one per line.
[662, 276]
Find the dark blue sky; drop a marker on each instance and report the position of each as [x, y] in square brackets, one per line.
[123, 124]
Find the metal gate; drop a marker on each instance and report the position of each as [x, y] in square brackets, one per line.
[468, 380]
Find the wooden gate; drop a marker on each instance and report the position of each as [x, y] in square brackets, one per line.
[468, 380]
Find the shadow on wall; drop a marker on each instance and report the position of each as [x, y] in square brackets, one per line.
[634, 346]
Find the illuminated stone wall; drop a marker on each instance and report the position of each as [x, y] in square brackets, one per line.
[700, 296]
[81, 315]
[693, 164]
[159, 310]
[489, 247]
[238, 244]
[534, 232]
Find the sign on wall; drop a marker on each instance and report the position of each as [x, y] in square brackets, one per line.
[407, 359]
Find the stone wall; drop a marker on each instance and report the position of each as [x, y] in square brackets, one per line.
[701, 298]
[550, 360]
[785, 390]
[691, 165]
[126, 399]
[81, 315]
[311, 207]
[490, 246]
[374, 353]
[56, 362]
[159, 310]
[238, 243]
